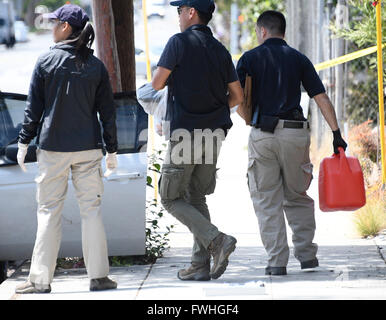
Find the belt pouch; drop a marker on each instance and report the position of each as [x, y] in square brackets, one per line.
[268, 123]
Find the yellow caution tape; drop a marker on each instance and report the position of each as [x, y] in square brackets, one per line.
[347, 57]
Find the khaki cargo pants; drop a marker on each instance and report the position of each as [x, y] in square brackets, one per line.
[52, 183]
[183, 188]
[279, 174]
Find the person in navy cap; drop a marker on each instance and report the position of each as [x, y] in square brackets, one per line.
[69, 88]
[203, 86]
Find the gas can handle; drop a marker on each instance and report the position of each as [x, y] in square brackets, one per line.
[344, 166]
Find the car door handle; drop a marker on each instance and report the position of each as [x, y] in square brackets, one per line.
[124, 176]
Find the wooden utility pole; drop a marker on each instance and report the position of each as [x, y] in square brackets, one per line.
[114, 24]
[123, 11]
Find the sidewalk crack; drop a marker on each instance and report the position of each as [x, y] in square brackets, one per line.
[143, 281]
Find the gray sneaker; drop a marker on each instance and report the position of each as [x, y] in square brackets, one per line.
[29, 287]
[196, 272]
[220, 249]
[102, 284]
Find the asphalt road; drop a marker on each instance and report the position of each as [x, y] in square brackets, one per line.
[17, 64]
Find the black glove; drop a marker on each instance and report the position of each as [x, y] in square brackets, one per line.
[338, 141]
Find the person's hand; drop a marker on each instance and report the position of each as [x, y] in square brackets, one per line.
[338, 141]
[111, 163]
[21, 153]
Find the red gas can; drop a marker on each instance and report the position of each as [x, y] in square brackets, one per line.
[341, 184]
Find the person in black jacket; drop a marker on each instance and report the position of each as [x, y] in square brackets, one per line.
[69, 88]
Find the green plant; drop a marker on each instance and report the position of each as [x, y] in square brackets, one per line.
[371, 218]
[251, 9]
[156, 240]
[249, 12]
[363, 141]
[362, 82]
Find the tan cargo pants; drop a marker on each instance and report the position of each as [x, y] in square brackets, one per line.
[279, 174]
[52, 183]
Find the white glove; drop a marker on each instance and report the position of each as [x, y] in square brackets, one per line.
[111, 163]
[21, 153]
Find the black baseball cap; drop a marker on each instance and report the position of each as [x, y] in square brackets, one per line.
[206, 6]
[70, 13]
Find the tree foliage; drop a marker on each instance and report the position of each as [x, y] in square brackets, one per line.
[251, 9]
[363, 103]
[362, 27]
[55, 4]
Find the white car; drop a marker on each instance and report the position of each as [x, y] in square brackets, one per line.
[124, 198]
[21, 31]
[155, 8]
[7, 20]
[140, 62]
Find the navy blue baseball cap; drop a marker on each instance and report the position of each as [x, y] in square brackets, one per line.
[206, 6]
[70, 13]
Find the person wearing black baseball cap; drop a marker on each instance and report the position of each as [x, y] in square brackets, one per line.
[69, 88]
[203, 8]
[199, 73]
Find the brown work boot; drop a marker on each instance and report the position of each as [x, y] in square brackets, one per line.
[29, 287]
[196, 272]
[102, 284]
[220, 249]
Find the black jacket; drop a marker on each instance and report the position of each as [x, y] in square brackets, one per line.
[63, 102]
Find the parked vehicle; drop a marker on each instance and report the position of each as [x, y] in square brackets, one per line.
[7, 21]
[140, 62]
[124, 198]
[155, 8]
[21, 31]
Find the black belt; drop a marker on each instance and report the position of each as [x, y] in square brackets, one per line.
[294, 125]
[291, 125]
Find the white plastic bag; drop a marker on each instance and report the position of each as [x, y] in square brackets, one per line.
[154, 102]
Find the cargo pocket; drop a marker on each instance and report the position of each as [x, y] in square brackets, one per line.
[209, 189]
[307, 170]
[102, 189]
[170, 183]
[251, 176]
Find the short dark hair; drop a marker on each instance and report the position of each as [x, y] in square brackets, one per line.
[204, 17]
[273, 21]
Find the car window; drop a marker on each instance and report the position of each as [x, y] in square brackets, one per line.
[132, 120]
[138, 51]
[131, 123]
[11, 119]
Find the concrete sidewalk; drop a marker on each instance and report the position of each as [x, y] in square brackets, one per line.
[350, 267]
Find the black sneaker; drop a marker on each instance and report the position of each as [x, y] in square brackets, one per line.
[29, 287]
[102, 284]
[275, 271]
[220, 249]
[310, 265]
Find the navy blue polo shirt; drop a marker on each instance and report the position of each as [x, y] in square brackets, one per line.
[278, 71]
[201, 69]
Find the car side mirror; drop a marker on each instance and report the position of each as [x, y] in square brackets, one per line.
[11, 153]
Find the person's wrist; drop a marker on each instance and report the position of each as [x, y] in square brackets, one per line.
[336, 133]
